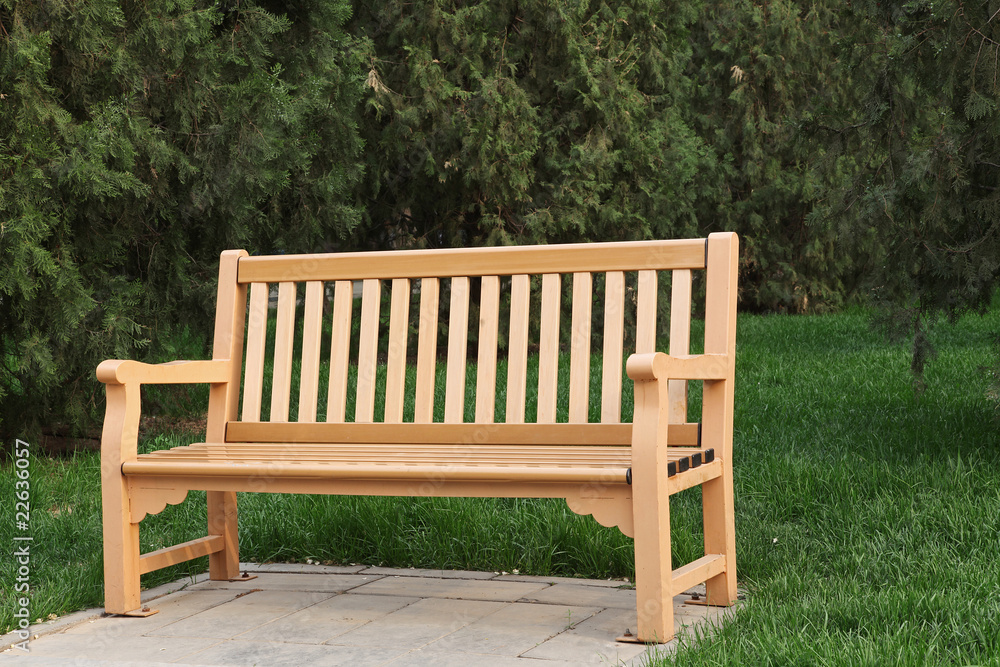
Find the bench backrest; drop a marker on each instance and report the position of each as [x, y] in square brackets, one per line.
[307, 298]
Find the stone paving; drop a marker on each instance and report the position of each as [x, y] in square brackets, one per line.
[322, 615]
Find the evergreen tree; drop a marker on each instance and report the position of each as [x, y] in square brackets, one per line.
[527, 121]
[766, 83]
[924, 211]
[138, 140]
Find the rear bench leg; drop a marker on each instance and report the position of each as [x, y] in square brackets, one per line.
[720, 537]
[222, 520]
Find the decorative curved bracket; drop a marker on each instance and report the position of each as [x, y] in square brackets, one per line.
[610, 506]
[144, 501]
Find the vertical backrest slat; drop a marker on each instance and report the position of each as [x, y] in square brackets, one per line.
[281, 383]
[645, 315]
[579, 370]
[312, 323]
[427, 329]
[548, 348]
[399, 327]
[253, 383]
[458, 332]
[340, 347]
[486, 364]
[680, 340]
[614, 332]
[517, 349]
[371, 301]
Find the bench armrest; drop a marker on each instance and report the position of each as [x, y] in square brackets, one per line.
[116, 371]
[124, 379]
[660, 366]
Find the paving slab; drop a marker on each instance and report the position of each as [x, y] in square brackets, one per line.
[532, 578]
[171, 609]
[428, 657]
[466, 589]
[437, 574]
[328, 583]
[592, 641]
[245, 612]
[275, 654]
[48, 661]
[301, 568]
[420, 623]
[300, 614]
[127, 648]
[572, 593]
[331, 618]
[514, 629]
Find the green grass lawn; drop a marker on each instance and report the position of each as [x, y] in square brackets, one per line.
[868, 518]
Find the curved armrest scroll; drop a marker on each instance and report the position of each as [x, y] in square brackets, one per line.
[115, 371]
[657, 365]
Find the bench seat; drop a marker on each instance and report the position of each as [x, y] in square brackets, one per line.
[596, 453]
[498, 463]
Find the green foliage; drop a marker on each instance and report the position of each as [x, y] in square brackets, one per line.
[852, 145]
[137, 140]
[924, 211]
[526, 121]
[764, 80]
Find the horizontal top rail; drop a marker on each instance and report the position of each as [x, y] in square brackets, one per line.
[490, 261]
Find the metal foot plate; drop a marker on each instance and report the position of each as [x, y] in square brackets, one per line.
[142, 612]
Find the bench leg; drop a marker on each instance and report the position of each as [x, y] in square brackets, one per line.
[121, 550]
[225, 564]
[720, 537]
[653, 569]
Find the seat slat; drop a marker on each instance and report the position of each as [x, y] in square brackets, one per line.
[548, 349]
[517, 354]
[312, 322]
[253, 382]
[371, 301]
[486, 364]
[427, 351]
[458, 332]
[379, 472]
[614, 328]
[399, 327]
[579, 370]
[340, 346]
[281, 383]
[457, 454]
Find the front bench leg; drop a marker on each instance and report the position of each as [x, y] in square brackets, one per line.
[651, 512]
[119, 443]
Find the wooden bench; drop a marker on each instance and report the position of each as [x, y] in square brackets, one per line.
[621, 473]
